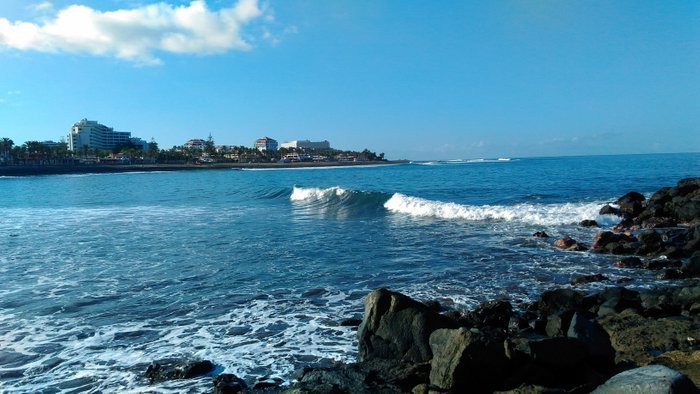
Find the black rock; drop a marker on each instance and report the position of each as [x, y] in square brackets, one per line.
[540, 234]
[628, 262]
[588, 223]
[609, 210]
[396, 327]
[631, 204]
[350, 322]
[228, 383]
[177, 369]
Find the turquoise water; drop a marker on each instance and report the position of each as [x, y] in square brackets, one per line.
[102, 274]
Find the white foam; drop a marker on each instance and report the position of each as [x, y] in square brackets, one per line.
[540, 214]
[315, 193]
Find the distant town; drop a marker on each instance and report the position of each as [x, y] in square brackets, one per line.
[89, 142]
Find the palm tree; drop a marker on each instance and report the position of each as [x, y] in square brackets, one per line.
[5, 148]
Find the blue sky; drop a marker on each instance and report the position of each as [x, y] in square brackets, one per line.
[413, 79]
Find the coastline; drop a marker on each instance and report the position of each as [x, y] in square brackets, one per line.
[33, 170]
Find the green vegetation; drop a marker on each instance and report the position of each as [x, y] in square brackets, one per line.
[39, 153]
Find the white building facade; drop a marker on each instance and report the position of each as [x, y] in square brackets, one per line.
[98, 136]
[266, 143]
[306, 144]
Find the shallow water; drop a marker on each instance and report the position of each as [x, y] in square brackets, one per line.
[102, 274]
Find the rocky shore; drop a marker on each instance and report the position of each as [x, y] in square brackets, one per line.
[567, 341]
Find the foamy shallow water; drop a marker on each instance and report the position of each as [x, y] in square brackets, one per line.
[254, 270]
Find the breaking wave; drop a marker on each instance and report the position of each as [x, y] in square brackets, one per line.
[540, 214]
[398, 203]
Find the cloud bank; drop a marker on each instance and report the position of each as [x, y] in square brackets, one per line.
[135, 34]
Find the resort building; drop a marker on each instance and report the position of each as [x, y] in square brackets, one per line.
[98, 136]
[266, 143]
[196, 144]
[306, 144]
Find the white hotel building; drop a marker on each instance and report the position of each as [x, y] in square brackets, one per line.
[306, 144]
[99, 136]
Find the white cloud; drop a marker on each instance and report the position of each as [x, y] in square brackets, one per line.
[44, 6]
[135, 34]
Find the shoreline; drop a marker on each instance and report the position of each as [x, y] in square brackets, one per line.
[34, 170]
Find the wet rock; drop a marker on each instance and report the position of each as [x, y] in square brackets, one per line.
[495, 314]
[466, 360]
[177, 369]
[692, 266]
[350, 322]
[376, 376]
[610, 242]
[396, 327]
[559, 300]
[588, 279]
[648, 379]
[569, 243]
[609, 210]
[669, 274]
[660, 264]
[617, 299]
[628, 262]
[267, 384]
[631, 204]
[228, 383]
[588, 223]
[540, 234]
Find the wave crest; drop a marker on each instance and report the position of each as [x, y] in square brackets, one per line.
[539, 214]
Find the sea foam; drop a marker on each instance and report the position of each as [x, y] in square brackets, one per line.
[540, 214]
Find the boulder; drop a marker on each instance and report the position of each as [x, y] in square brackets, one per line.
[648, 379]
[228, 383]
[466, 360]
[376, 376]
[617, 299]
[495, 314]
[559, 300]
[569, 243]
[628, 262]
[177, 369]
[540, 234]
[631, 204]
[588, 279]
[597, 341]
[692, 266]
[661, 264]
[610, 242]
[396, 327]
[558, 324]
[350, 322]
[609, 210]
[588, 223]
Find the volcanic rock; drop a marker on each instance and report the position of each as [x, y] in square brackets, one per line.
[396, 327]
[648, 379]
[588, 279]
[177, 369]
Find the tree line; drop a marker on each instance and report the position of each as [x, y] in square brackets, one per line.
[35, 152]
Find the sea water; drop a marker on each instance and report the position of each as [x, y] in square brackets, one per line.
[102, 274]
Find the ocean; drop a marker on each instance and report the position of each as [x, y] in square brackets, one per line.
[254, 270]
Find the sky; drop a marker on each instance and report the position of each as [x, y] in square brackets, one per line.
[417, 80]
